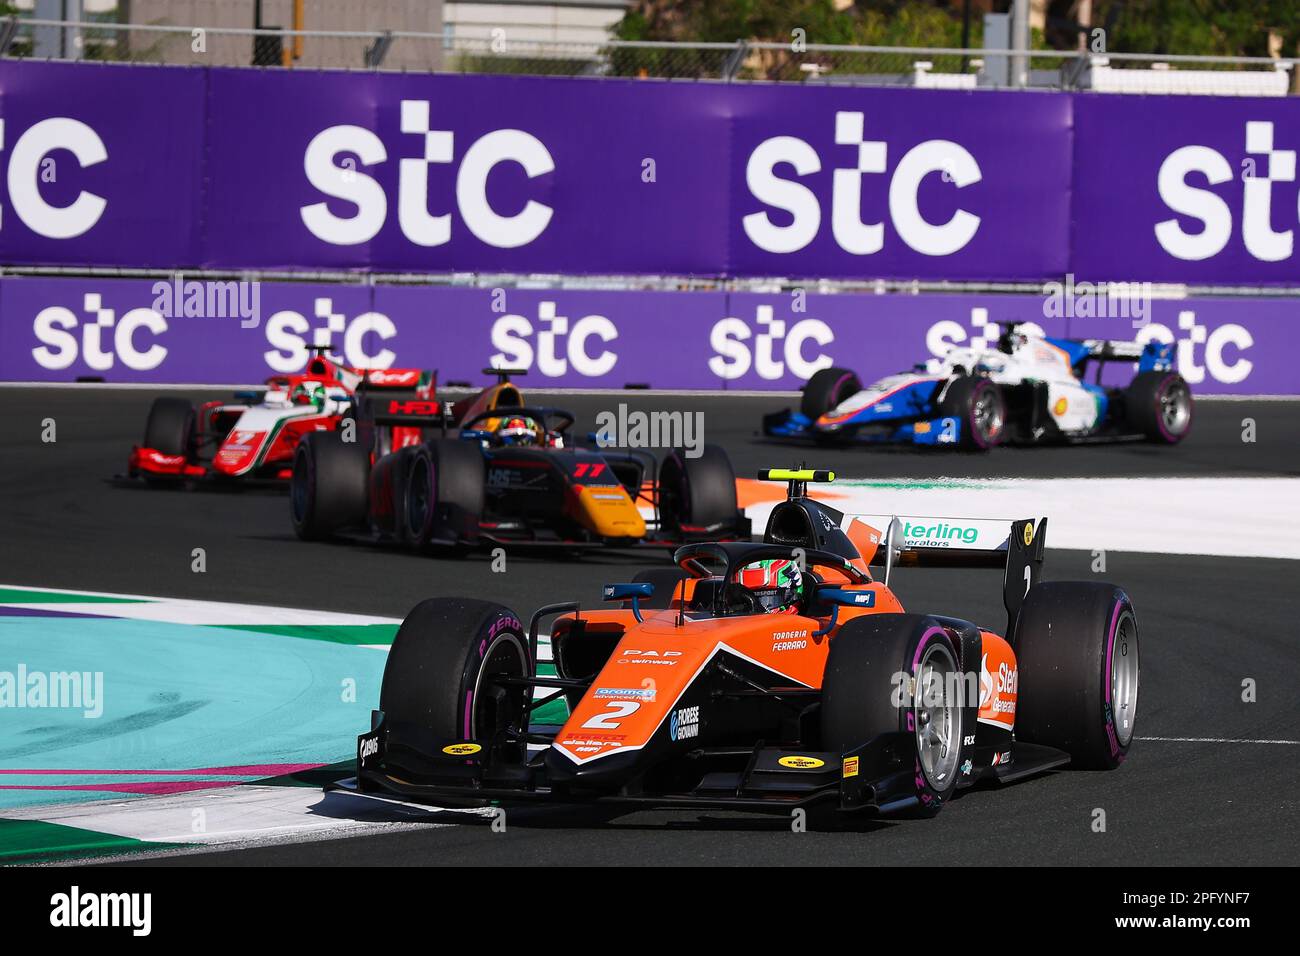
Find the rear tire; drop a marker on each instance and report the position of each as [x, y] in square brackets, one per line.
[327, 489]
[169, 429]
[859, 699]
[978, 404]
[826, 389]
[1159, 406]
[665, 580]
[444, 493]
[1076, 648]
[697, 496]
[433, 689]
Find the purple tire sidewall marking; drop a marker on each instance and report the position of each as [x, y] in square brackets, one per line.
[835, 392]
[1110, 650]
[926, 797]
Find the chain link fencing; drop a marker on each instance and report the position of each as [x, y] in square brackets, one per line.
[497, 52]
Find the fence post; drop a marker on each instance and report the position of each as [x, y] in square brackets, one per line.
[376, 52]
[735, 59]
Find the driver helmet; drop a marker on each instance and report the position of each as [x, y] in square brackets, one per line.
[779, 584]
[308, 393]
[519, 430]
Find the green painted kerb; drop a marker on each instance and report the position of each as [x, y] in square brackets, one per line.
[35, 840]
[334, 633]
[24, 596]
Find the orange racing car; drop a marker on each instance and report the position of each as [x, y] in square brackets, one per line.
[764, 676]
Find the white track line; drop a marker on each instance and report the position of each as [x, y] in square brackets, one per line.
[1219, 740]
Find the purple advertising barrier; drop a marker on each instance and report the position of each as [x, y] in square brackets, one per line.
[262, 169]
[844, 182]
[392, 172]
[130, 330]
[126, 330]
[181, 167]
[1186, 189]
[103, 164]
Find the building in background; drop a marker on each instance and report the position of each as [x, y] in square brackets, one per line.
[449, 27]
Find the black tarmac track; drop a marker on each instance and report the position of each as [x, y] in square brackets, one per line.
[1207, 625]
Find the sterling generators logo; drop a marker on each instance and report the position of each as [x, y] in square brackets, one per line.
[941, 534]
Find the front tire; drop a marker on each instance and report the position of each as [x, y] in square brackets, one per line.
[980, 408]
[436, 686]
[327, 488]
[169, 428]
[1076, 647]
[1159, 406]
[861, 699]
[697, 496]
[826, 389]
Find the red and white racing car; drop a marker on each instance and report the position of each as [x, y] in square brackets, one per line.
[255, 436]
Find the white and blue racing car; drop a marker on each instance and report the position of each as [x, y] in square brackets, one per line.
[1027, 390]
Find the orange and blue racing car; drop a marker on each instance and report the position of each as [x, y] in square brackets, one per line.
[764, 676]
[512, 474]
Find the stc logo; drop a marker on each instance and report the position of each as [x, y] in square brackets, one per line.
[1263, 167]
[775, 351]
[559, 345]
[800, 204]
[1200, 351]
[104, 338]
[29, 162]
[418, 224]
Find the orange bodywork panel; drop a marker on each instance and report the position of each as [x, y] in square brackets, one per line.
[606, 510]
[999, 682]
[655, 661]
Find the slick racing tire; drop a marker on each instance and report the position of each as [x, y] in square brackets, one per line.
[170, 427]
[1076, 646]
[1159, 406]
[327, 488]
[978, 404]
[697, 496]
[826, 389]
[443, 493]
[665, 580]
[436, 689]
[861, 696]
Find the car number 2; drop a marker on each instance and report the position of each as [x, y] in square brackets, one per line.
[618, 710]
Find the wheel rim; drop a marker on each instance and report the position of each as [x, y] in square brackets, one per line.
[938, 716]
[419, 491]
[986, 414]
[1124, 672]
[505, 657]
[1175, 408]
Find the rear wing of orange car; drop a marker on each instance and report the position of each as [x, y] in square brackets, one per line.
[926, 542]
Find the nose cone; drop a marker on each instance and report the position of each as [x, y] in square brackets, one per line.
[610, 770]
[238, 452]
[607, 510]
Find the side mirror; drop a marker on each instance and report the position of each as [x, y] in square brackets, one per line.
[842, 597]
[635, 591]
[846, 598]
